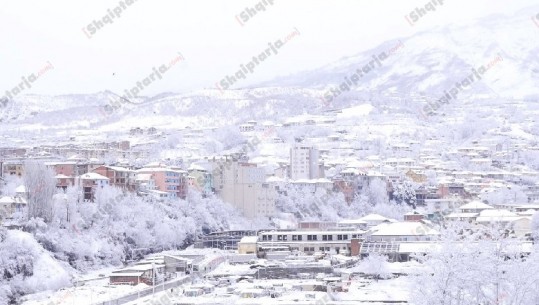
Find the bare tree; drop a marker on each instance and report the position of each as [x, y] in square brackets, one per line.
[40, 186]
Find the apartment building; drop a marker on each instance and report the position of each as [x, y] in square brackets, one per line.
[304, 162]
[67, 168]
[244, 186]
[120, 177]
[144, 183]
[89, 183]
[200, 179]
[168, 179]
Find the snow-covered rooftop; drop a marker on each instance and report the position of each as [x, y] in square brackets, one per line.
[404, 229]
[373, 217]
[93, 176]
[475, 205]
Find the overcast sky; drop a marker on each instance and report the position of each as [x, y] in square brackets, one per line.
[210, 35]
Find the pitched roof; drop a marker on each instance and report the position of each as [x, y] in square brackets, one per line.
[475, 205]
[373, 217]
[93, 176]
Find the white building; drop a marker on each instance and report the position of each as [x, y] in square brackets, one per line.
[304, 162]
[309, 242]
[244, 186]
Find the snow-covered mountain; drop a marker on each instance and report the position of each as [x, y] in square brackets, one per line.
[424, 66]
[430, 62]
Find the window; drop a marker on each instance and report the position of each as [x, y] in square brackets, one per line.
[324, 237]
[264, 237]
[300, 237]
[330, 237]
[309, 237]
[339, 237]
[345, 237]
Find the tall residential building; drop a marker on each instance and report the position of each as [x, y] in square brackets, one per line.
[171, 180]
[244, 186]
[304, 162]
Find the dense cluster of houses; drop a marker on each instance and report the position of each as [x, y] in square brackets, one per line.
[344, 161]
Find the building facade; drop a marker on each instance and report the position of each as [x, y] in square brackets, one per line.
[244, 186]
[304, 162]
[168, 180]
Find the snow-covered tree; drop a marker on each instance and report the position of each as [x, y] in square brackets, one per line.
[376, 192]
[40, 186]
[375, 265]
[477, 266]
[405, 193]
[308, 205]
[10, 184]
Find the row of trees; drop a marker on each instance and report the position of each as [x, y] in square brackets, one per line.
[307, 204]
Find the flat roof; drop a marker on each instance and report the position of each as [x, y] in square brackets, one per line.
[128, 274]
[308, 232]
[405, 229]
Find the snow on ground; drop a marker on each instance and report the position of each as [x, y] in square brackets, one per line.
[228, 269]
[91, 293]
[396, 289]
[96, 274]
[354, 112]
[411, 267]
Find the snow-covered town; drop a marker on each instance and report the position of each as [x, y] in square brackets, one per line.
[403, 169]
